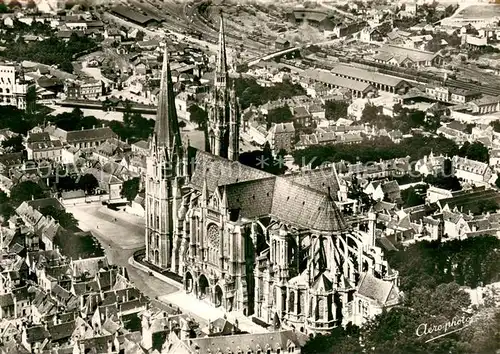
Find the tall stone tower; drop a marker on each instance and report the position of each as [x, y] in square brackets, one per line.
[163, 174]
[224, 112]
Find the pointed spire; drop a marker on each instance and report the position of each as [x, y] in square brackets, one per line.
[221, 68]
[166, 132]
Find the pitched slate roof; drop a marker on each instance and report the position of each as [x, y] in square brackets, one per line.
[367, 75]
[90, 135]
[375, 289]
[331, 79]
[61, 331]
[297, 199]
[45, 202]
[6, 300]
[36, 334]
[90, 266]
[246, 342]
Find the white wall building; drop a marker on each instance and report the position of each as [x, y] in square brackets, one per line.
[13, 88]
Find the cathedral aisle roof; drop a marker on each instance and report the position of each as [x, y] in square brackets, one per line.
[257, 193]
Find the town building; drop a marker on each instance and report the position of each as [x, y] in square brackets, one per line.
[407, 57]
[13, 86]
[358, 89]
[379, 81]
[281, 137]
[471, 171]
[90, 89]
[41, 148]
[87, 138]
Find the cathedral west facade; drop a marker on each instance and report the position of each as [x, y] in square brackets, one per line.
[273, 247]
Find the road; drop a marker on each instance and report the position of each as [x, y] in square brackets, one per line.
[120, 239]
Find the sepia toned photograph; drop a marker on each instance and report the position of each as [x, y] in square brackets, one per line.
[249, 177]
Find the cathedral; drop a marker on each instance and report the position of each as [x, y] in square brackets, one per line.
[276, 248]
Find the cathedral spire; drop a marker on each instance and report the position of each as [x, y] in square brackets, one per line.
[166, 132]
[221, 67]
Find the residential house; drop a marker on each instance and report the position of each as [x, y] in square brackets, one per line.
[370, 34]
[13, 86]
[87, 138]
[281, 137]
[90, 89]
[282, 43]
[472, 171]
[301, 116]
[40, 147]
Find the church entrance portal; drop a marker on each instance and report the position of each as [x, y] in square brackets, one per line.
[157, 257]
[218, 296]
[203, 286]
[189, 283]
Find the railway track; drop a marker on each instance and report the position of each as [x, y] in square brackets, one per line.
[493, 90]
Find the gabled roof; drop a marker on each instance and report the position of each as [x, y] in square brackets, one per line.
[76, 136]
[251, 342]
[376, 289]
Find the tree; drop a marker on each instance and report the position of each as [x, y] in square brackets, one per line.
[336, 109]
[279, 115]
[3, 8]
[264, 160]
[411, 197]
[31, 99]
[130, 188]
[198, 115]
[65, 219]
[88, 183]
[14, 4]
[448, 182]
[340, 340]
[25, 191]
[31, 5]
[488, 206]
[127, 114]
[66, 183]
[14, 144]
[475, 151]
[6, 208]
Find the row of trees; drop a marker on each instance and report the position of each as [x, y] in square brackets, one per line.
[133, 128]
[404, 119]
[50, 51]
[474, 151]
[265, 160]
[373, 150]
[250, 92]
